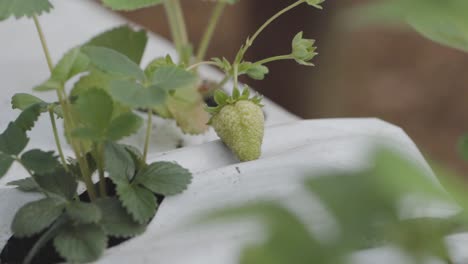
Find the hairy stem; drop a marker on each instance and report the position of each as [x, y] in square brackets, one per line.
[57, 140]
[44, 43]
[193, 66]
[251, 40]
[236, 76]
[46, 237]
[221, 84]
[100, 165]
[173, 26]
[207, 36]
[67, 119]
[276, 58]
[178, 28]
[149, 128]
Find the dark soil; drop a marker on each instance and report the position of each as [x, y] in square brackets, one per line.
[16, 249]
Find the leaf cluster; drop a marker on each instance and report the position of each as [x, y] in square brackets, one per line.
[366, 207]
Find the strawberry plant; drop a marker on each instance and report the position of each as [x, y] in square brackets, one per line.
[109, 91]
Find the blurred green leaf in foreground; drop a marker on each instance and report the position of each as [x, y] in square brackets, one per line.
[367, 207]
[445, 22]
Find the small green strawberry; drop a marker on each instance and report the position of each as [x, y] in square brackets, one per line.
[239, 122]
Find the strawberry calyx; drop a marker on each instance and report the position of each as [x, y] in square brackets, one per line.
[222, 99]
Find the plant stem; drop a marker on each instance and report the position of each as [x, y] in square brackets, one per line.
[207, 36]
[46, 237]
[100, 165]
[276, 58]
[193, 66]
[67, 118]
[236, 76]
[44, 43]
[221, 84]
[148, 134]
[250, 41]
[178, 28]
[57, 140]
[173, 26]
[51, 68]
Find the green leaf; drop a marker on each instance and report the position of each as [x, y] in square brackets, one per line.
[71, 64]
[123, 39]
[23, 100]
[95, 108]
[87, 133]
[119, 163]
[81, 243]
[444, 22]
[463, 147]
[165, 178]
[13, 140]
[40, 161]
[124, 126]
[135, 95]
[48, 85]
[95, 79]
[35, 216]
[5, 163]
[126, 5]
[26, 185]
[21, 8]
[84, 213]
[113, 62]
[139, 202]
[315, 3]
[116, 221]
[172, 77]
[28, 117]
[59, 183]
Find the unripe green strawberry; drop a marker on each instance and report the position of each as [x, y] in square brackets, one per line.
[239, 122]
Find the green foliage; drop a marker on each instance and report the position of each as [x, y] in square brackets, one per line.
[59, 184]
[119, 163]
[124, 125]
[81, 243]
[463, 147]
[35, 216]
[139, 202]
[165, 178]
[5, 163]
[23, 101]
[444, 22]
[13, 140]
[303, 50]
[26, 185]
[96, 110]
[126, 5]
[315, 3]
[114, 63]
[136, 95]
[116, 221]
[40, 161]
[171, 78]
[124, 40]
[28, 117]
[71, 64]
[84, 213]
[21, 8]
[367, 208]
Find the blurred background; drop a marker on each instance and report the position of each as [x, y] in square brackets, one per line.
[389, 73]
